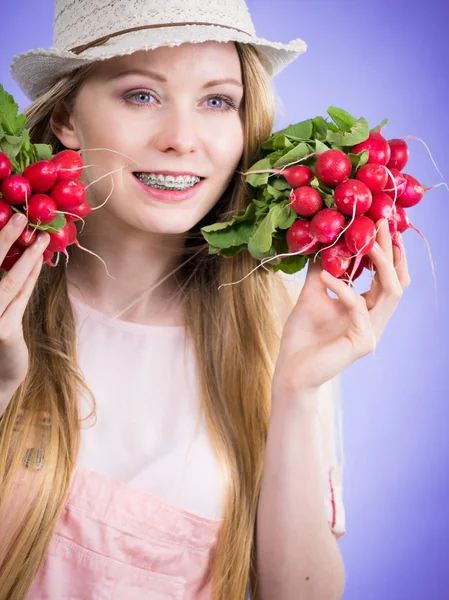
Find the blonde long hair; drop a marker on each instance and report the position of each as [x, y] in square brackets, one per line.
[236, 333]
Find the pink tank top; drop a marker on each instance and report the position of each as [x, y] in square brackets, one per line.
[145, 504]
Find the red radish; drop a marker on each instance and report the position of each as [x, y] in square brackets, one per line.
[413, 192]
[336, 259]
[12, 256]
[401, 218]
[69, 164]
[16, 189]
[333, 167]
[347, 274]
[381, 207]
[350, 193]
[72, 233]
[327, 225]
[68, 194]
[5, 166]
[26, 238]
[59, 240]
[368, 264]
[42, 175]
[400, 181]
[41, 209]
[399, 154]
[306, 201]
[379, 151]
[393, 228]
[361, 235]
[48, 257]
[374, 176]
[81, 211]
[5, 213]
[298, 175]
[377, 146]
[300, 238]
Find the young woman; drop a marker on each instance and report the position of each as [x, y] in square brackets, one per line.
[209, 470]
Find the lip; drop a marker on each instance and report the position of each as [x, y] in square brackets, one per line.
[170, 195]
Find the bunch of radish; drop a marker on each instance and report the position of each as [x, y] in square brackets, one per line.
[343, 235]
[51, 195]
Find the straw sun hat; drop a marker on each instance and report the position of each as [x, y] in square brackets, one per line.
[86, 31]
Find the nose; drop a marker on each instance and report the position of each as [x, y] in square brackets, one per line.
[177, 131]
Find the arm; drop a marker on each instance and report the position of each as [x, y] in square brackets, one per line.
[297, 553]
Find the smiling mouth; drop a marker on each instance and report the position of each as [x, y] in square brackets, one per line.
[151, 181]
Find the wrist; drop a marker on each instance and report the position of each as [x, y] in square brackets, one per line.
[303, 398]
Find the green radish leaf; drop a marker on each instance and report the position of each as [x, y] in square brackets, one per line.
[281, 184]
[259, 179]
[12, 122]
[293, 156]
[11, 149]
[358, 160]
[329, 201]
[233, 235]
[13, 140]
[274, 193]
[287, 217]
[302, 130]
[333, 128]
[343, 119]
[378, 127]
[275, 156]
[320, 147]
[278, 217]
[358, 133]
[227, 252]
[277, 142]
[291, 264]
[44, 151]
[8, 111]
[54, 226]
[287, 264]
[321, 187]
[26, 141]
[20, 124]
[261, 211]
[319, 128]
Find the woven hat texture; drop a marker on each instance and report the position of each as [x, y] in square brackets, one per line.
[86, 31]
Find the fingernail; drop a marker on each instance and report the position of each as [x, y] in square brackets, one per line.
[19, 219]
[42, 239]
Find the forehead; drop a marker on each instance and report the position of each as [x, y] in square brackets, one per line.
[195, 61]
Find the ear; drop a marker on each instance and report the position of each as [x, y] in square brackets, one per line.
[63, 126]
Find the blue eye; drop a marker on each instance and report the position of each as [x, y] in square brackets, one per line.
[230, 104]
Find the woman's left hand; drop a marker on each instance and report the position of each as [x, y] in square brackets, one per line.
[323, 335]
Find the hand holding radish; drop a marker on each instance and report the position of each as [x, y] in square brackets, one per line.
[16, 287]
[45, 188]
[324, 335]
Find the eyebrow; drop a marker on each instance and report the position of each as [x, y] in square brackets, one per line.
[162, 79]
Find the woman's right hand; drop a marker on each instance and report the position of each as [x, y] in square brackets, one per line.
[16, 288]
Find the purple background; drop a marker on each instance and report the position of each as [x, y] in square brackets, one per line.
[378, 60]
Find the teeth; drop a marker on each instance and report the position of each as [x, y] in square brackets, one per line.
[169, 182]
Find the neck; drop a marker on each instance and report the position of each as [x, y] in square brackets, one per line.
[137, 262]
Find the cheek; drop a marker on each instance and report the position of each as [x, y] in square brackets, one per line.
[226, 148]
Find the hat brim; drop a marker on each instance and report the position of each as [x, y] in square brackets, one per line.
[38, 70]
